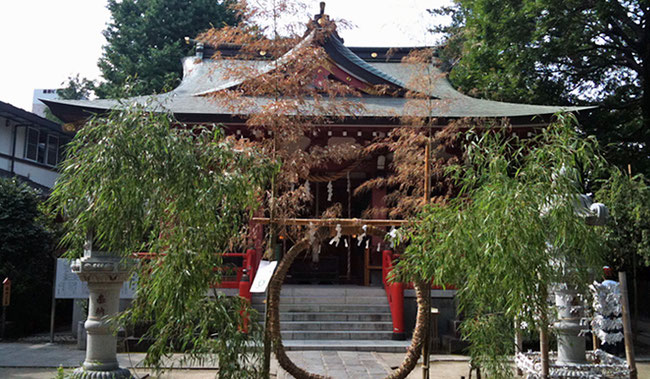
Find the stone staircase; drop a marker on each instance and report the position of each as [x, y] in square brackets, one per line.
[329, 317]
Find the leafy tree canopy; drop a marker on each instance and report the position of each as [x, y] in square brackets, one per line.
[519, 197]
[146, 42]
[550, 51]
[77, 88]
[628, 232]
[137, 181]
[25, 253]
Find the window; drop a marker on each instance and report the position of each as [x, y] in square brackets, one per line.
[31, 145]
[52, 150]
[41, 147]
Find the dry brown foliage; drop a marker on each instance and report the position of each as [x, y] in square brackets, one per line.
[287, 100]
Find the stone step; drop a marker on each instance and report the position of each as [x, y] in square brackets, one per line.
[384, 346]
[333, 313]
[336, 335]
[336, 326]
[316, 293]
[324, 290]
[371, 300]
[329, 308]
[339, 316]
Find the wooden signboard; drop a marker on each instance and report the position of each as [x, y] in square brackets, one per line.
[263, 276]
[6, 292]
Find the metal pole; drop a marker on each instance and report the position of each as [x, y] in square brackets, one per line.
[53, 307]
[349, 268]
[635, 323]
[627, 328]
[426, 353]
[266, 364]
[426, 359]
[543, 337]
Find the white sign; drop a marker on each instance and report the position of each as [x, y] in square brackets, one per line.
[69, 286]
[263, 276]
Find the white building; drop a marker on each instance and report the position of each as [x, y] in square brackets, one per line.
[38, 107]
[30, 146]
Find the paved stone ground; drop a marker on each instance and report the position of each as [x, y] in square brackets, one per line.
[370, 365]
[39, 361]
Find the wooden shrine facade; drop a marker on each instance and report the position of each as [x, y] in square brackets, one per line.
[364, 68]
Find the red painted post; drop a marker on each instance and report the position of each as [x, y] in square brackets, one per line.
[6, 296]
[245, 286]
[6, 292]
[395, 293]
[245, 292]
[386, 266]
[250, 263]
[397, 310]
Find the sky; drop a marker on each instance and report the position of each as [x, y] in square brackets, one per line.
[43, 42]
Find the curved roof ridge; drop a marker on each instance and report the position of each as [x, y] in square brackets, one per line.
[267, 68]
[336, 49]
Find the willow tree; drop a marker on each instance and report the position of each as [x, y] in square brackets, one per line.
[511, 232]
[140, 181]
[628, 232]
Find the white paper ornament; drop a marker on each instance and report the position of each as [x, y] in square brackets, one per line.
[337, 238]
[307, 190]
[330, 190]
[362, 236]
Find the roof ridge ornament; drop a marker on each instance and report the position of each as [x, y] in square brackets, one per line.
[321, 18]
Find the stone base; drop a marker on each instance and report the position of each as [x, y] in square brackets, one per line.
[599, 365]
[119, 373]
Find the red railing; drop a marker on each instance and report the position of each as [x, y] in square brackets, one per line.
[233, 275]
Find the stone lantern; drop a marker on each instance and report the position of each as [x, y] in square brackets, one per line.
[105, 274]
[570, 341]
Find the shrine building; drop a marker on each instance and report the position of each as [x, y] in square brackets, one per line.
[342, 295]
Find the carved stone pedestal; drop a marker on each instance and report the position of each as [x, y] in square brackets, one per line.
[570, 343]
[105, 275]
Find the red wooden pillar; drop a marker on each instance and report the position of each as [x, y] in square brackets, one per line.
[394, 291]
[395, 294]
[251, 263]
[245, 292]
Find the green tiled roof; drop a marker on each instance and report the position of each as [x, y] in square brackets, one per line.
[202, 77]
